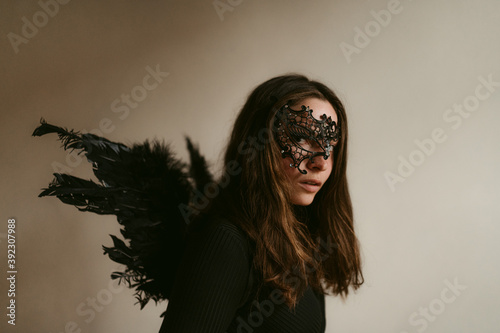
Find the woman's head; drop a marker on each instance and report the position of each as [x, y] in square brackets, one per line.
[289, 211]
[255, 143]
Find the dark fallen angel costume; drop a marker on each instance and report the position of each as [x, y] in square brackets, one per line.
[206, 275]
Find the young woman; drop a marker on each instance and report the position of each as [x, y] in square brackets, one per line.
[279, 235]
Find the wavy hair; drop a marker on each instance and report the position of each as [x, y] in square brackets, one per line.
[293, 246]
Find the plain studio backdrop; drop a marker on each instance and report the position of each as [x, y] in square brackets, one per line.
[421, 85]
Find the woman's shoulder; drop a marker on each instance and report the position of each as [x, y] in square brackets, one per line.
[220, 231]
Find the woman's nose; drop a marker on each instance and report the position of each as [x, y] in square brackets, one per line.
[317, 162]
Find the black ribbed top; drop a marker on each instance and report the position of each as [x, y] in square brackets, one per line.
[212, 291]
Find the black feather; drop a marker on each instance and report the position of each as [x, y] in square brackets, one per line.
[199, 169]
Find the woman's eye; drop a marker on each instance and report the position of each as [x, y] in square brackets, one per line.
[299, 139]
[299, 135]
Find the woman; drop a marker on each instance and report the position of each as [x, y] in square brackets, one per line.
[279, 235]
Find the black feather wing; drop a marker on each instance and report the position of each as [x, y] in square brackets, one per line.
[144, 186]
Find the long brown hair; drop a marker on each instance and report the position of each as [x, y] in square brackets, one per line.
[293, 246]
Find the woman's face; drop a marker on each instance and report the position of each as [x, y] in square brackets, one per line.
[305, 186]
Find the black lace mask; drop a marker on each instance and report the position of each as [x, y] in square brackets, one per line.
[301, 136]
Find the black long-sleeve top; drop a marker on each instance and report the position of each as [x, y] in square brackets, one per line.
[212, 292]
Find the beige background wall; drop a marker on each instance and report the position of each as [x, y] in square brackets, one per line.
[438, 224]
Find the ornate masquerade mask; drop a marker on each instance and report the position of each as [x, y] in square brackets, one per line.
[301, 136]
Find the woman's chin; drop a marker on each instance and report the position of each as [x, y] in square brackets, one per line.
[302, 199]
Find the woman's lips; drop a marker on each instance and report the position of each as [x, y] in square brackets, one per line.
[310, 186]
